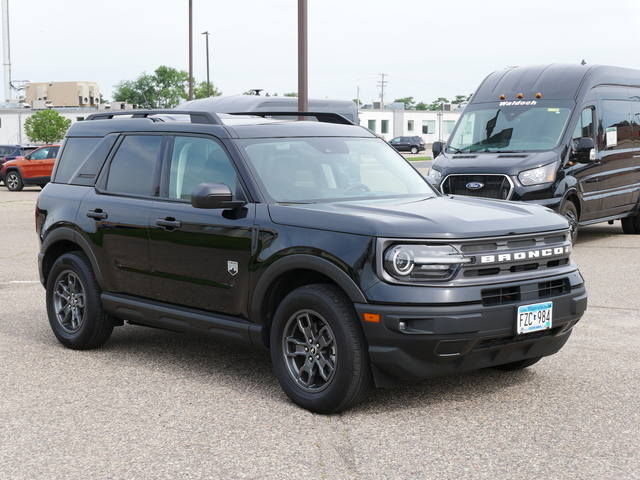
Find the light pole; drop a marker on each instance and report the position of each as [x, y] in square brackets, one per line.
[207, 36]
[190, 50]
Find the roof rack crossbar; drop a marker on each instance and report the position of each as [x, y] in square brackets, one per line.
[196, 117]
[326, 117]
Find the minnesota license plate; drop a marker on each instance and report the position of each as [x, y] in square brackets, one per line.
[532, 318]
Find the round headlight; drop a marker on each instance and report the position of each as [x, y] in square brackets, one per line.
[400, 260]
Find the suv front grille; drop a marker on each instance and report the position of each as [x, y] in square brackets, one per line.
[502, 296]
[486, 186]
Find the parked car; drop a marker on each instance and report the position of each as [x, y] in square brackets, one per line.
[9, 152]
[32, 169]
[408, 144]
[312, 239]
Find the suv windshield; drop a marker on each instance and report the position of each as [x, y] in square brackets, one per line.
[511, 128]
[327, 169]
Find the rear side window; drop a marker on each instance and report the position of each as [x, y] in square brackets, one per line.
[133, 166]
[74, 153]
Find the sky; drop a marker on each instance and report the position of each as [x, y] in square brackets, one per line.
[426, 49]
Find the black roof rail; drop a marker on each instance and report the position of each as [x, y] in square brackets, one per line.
[326, 117]
[196, 117]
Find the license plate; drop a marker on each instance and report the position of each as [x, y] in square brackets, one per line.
[532, 318]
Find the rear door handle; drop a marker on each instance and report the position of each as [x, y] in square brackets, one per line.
[97, 214]
[168, 223]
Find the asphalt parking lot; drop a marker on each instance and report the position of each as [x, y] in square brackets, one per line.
[157, 405]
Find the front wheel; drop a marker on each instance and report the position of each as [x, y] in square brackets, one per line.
[568, 210]
[73, 304]
[631, 225]
[318, 349]
[13, 181]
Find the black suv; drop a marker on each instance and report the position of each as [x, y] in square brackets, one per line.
[313, 239]
[408, 144]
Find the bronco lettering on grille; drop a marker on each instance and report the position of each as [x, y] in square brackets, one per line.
[531, 254]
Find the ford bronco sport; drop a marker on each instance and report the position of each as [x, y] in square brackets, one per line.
[313, 239]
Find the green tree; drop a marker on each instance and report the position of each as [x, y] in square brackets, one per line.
[46, 126]
[461, 99]
[437, 104]
[421, 106]
[166, 88]
[200, 90]
[291, 94]
[409, 103]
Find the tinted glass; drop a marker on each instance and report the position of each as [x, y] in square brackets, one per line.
[198, 160]
[326, 169]
[75, 152]
[616, 124]
[133, 166]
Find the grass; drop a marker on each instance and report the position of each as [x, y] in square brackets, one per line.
[419, 159]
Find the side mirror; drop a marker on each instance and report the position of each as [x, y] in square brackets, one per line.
[584, 151]
[214, 196]
[437, 148]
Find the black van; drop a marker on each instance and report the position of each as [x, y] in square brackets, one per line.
[563, 136]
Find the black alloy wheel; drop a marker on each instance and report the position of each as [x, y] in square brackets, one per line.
[318, 349]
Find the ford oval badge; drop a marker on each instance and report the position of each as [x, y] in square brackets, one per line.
[474, 185]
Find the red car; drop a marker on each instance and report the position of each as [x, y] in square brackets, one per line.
[32, 169]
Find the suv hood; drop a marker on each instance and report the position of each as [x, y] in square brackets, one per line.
[437, 217]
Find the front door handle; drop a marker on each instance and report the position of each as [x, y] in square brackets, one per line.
[97, 214]
[168, 223]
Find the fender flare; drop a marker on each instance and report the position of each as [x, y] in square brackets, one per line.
[68, 234]
[297, 262]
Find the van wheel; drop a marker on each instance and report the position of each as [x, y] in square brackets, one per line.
[73, 304]
[318, 349]
[631, 225]
[13, 181]
[568, 210]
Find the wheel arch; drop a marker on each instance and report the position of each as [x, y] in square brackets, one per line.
[289, 273]
[64, 240]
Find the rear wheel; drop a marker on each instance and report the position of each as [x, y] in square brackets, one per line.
[631, 225]
[414, 150]
[13, 181]
[318, 350]
[568, 210]
[73, 304]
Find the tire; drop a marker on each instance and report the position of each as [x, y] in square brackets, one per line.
[414, 150]
[568, 210]
[631, 225]
[73, 304]
[13, 181]
[318, 350]
[519, 365]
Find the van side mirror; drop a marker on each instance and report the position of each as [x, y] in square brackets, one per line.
[437, 148]
[584, 151]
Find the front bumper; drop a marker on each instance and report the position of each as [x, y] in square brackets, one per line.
[413, 342]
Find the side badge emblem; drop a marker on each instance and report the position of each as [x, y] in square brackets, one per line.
[232, 267]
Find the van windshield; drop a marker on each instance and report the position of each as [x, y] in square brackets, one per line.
[510, 128]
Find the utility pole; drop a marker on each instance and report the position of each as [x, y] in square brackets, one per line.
[381, 84]
[303, 60]
[208, 89]
[190, 49]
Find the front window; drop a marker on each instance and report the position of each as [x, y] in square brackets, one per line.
[311, 170]
[526, 126]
